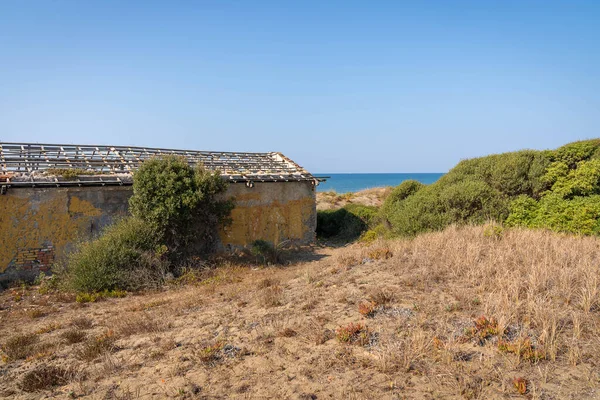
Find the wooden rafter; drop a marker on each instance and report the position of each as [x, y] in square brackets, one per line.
[31, 159]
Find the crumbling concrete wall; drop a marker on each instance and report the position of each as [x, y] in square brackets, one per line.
[279, 212]
[38, 225]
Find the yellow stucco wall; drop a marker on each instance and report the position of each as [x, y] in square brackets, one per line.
[39, 224]
[28, 225]
[277, 212]
[276, 222]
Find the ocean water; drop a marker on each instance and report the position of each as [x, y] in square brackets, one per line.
[344, 183]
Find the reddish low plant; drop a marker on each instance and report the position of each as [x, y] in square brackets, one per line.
[353, 333]
[367, 309]
[522, 348]
[521, 384]
[483, 328]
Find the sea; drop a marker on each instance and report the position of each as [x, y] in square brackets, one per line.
[344, 183]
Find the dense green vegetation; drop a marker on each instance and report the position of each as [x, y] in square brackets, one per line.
[179, 202]
[175, 215]
[128, 255]
[346, 223]
[552, 189]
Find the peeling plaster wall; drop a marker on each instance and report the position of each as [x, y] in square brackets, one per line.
[277, 212]
[38, 225]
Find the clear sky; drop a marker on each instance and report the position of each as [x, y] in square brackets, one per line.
[339, 86]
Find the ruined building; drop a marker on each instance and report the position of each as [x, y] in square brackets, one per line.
[54, 195]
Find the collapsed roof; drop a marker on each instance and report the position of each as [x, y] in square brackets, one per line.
[29, 164]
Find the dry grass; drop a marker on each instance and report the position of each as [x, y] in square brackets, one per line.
[73, 336]
[51, 327]
[139, 324]
[20, 346]
[267, 282]
[36, 313]
[532, 280]
[45, 377]
[82, 322]
[272, 296]
[381, 296]
[347, 260]
[455, 314]
[97, 346]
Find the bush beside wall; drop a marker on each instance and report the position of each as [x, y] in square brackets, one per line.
[128, 255]
[175, 215]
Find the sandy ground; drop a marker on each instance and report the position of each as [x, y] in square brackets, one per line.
[368, 197]
[277, 332]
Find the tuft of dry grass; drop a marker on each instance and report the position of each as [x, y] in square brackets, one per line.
[347, 260]
[73, 336]
[379, 252]
[36, 313]
[20, 346]
[382, 296]
[267, 282]
[97, 346]
[405, 352]
[138, 324]
[51, 327]
[45, 377]
[272, 296]
[82, 322]
[287, 332]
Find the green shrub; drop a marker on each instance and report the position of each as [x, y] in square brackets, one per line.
[579, 215]
[474, 191]
[472, 201]
[70, 173]
[420, 212]
[436, 206]
[128, 255]
[367, 214]
[553, 189]
[572, 202]
[584, 180]
[369, 236]
[92, 297]
[266, 252]
[523, 211]
[572, 153]
[345, 224]
[511, 174]
[175, 214]
[398, 194]
[180, 203]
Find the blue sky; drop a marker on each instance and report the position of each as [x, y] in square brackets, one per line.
[339, 86]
